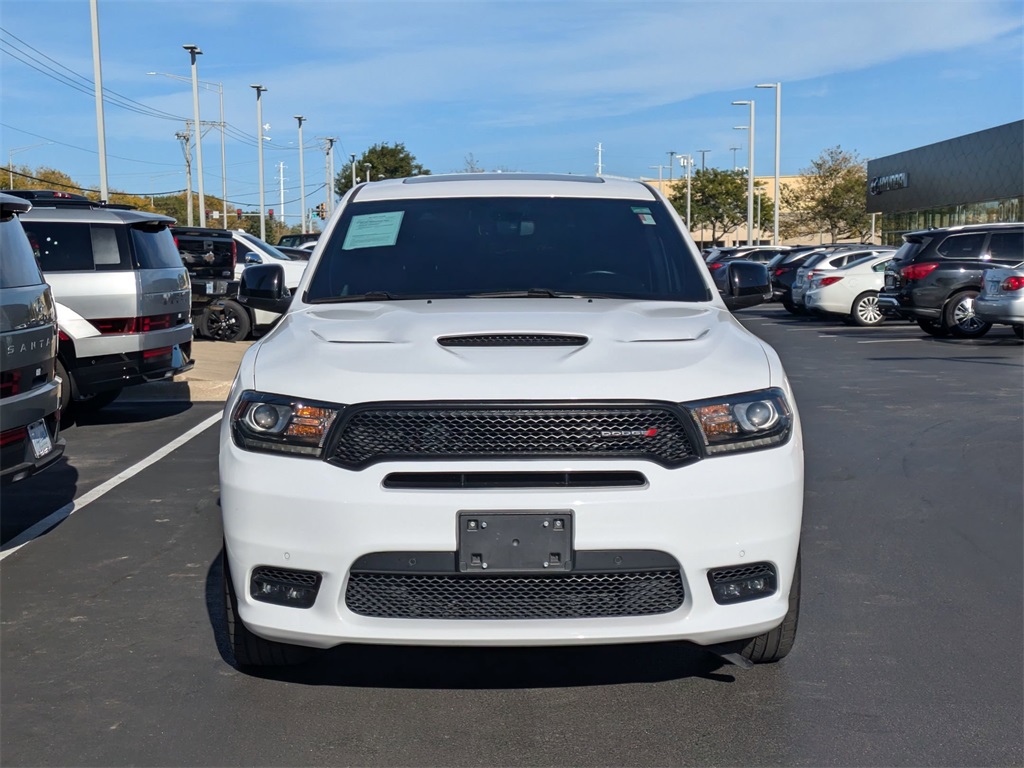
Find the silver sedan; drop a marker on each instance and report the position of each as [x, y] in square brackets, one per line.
[1002, 298]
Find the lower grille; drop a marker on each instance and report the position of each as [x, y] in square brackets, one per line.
[572, 596]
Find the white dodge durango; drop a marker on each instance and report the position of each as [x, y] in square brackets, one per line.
[509, 409]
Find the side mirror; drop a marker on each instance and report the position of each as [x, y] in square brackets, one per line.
[262, 287]
[252, 258]
[744, 284]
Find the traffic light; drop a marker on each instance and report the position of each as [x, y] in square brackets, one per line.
[270, 214]
[321, 210]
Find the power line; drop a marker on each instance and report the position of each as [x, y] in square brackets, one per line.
[84, 149]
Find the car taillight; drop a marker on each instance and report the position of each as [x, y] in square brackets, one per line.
[917, 271]
[13, 435]
[829, 281]
[234, 256]
[779, 271]
[135, 324]
[716, 265]
[10, 383]
[1013, 283]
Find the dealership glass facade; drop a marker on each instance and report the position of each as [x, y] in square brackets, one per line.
[973, 179]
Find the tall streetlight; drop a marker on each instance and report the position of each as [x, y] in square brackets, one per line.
[194, 51]
[260, 90]
[687, 162]
[671, 166]
[778, 133]
[97, 74]
[219, 87]
[352, 160]
[367, 166]
[702, 153]
[302, 173]
[734, 150]
[10, 158]
[750, 170]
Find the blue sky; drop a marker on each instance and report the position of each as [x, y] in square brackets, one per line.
[521, 85]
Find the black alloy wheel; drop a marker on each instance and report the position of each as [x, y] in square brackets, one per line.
[225, 321]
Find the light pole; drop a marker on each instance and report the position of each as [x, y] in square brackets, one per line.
[750, 170]
[219, 87]
[194, 51]
[260, 90]
[659, 167]
[352, 160]
[702, 153]
[778, 133]
[10, 158]
[97, 73]
[734, 151]
[671, 166]
[367, 166]
[302, 173]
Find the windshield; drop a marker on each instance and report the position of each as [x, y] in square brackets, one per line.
[524, 246]
[266, 248]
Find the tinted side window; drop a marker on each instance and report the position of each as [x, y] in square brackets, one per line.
[154, 247]
[880, 266]
[965, 246]
[1006, 246]
[17, 264]
[78, 247]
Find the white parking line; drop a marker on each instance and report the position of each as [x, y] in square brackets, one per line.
[885, 341]
[71, 507]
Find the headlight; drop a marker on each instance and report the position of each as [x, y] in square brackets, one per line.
[743, 422]
[263, 422]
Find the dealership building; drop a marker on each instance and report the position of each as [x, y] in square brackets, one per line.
[973, 179]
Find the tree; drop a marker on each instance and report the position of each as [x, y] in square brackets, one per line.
[386, 161]
[718, 201]
[830, 199]
[41, 178]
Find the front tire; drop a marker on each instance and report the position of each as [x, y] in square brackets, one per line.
[776, 644]
[251, 650]
[865, 311]
[960, 318]
[1018, 331]
[225, 321]
[99, 400]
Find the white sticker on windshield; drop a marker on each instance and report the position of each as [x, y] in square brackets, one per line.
[373, 230]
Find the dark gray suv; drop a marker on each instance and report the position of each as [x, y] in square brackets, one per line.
[936, 275]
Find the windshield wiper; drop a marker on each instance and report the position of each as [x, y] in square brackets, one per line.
[529, 293]
[368, 296]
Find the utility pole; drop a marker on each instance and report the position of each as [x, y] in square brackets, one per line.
[260, 90]
[281, 186]
[193, 52]
[329, 172]
[98, 79]
[600, 166]
[702, 153]
[185, 137]
[302, 177]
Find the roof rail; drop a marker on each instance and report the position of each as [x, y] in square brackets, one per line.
[49, 198]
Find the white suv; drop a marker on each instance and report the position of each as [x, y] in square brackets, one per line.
[509, 409]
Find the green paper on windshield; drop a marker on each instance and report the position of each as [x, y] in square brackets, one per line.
[373, 230]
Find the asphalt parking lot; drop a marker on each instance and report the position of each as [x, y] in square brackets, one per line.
[112, 649]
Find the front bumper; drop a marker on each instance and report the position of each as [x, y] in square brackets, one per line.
[306, 515]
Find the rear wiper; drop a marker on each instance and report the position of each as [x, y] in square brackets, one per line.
[368, 296]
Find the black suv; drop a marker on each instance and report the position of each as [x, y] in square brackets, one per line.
[936, 274]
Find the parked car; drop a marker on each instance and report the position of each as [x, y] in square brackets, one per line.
[302, 254]
[719, 257]
[122, 294]
[825, 261]
[782, 271]
[509, 409]
[937, 274]
[296, 241]
[850, 291]
[210, 256]
[30, 437]
[1002, 298]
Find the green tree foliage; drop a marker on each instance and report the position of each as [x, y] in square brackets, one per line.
[718, 201]
[831, 198]
[388, 161]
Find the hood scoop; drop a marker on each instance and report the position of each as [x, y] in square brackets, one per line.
[513, 340]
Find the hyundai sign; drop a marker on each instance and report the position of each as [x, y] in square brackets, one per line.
[880, 184]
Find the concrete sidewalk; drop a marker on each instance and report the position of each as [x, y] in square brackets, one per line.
[208, 382]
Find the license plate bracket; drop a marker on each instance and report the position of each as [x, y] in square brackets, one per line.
[40, 437]
[515, 541]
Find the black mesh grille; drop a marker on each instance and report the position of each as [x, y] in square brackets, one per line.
[299, 578]
[513, 340]
[377, 432]
[740, 572]
[572, 596]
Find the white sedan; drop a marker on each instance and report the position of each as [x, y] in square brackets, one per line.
[850, 291]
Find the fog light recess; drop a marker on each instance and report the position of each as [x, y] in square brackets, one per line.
[739, 583]
[296, 589]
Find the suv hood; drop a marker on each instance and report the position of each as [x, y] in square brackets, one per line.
[389, 351]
